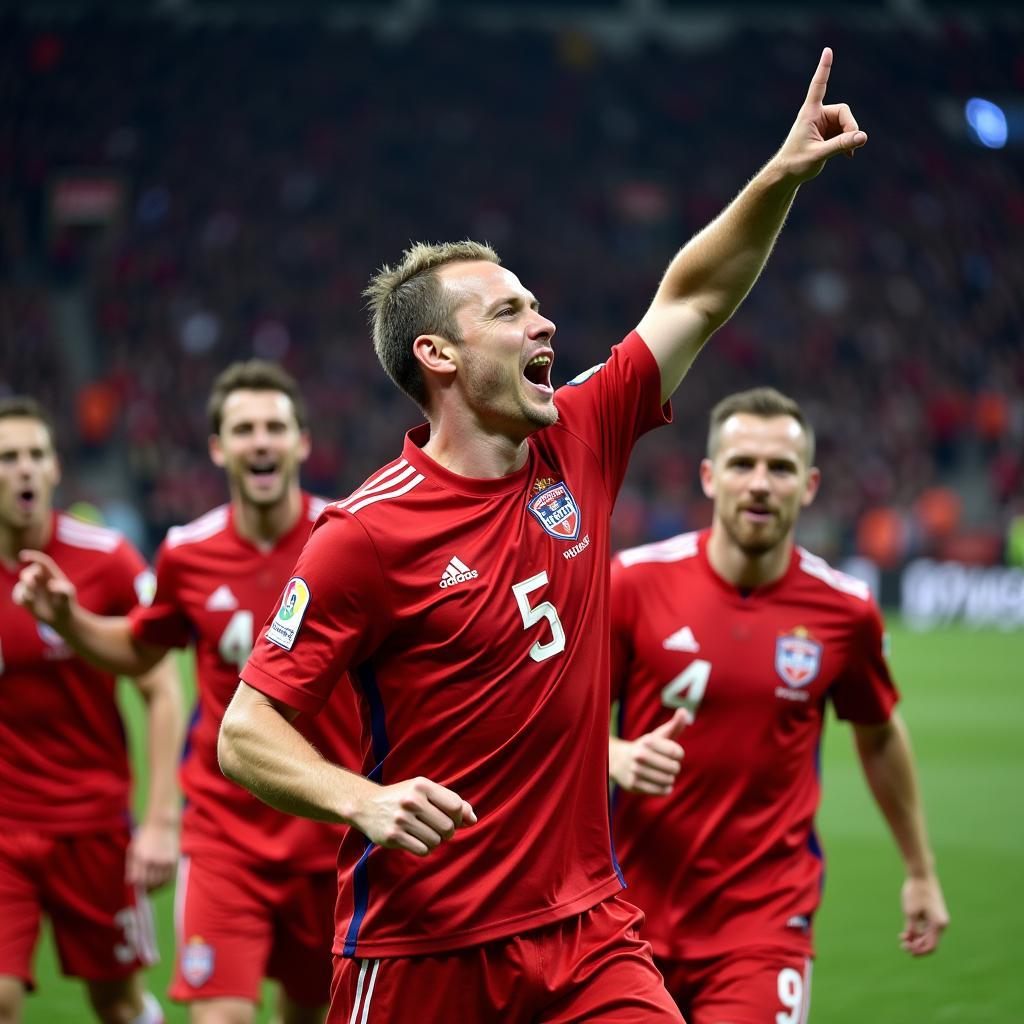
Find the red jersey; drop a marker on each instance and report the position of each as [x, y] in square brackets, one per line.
[213, 588]
[63, 757]
[472, 617]
[730, 858]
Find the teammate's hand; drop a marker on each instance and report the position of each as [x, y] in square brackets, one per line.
[152, 855]
[416, 815]
[44, 590]
[650, 763]
[925, 915]
[820, 131]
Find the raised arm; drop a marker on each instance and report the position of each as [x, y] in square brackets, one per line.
[260, 749]
[105, 640]
[888, 764]
[153, 852]
[712, 273]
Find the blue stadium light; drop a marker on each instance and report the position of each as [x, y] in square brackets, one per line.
[987, 121]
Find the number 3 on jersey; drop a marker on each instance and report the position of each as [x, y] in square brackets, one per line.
[687, 689]
[235, 644]
[532, 614]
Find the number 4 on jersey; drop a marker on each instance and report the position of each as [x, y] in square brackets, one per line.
[235, 644]
[687, 689]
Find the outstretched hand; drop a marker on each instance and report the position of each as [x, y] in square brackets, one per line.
[44, 590]
[821, 131]
[650, 763]
[925, 916]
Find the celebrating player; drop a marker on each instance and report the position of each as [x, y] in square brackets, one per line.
[465, 588]
[256, 887]
[66, 846]
[740, 637]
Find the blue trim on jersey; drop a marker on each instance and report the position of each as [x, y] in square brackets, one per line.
[186, 748]
[361, 899]
[367, 679]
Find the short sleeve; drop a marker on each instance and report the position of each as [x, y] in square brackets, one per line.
[123, 579]
[610, 406]
[864, 692]
[621, 605]
[161, 622]
[333, 614]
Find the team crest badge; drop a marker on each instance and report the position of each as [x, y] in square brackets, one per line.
[284, 627]
[556, 510]
[197, 961]
[797, 657]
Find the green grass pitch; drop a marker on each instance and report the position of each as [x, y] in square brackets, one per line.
[964, 701]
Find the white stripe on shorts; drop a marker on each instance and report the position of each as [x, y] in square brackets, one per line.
[363, 968]
[808, 964]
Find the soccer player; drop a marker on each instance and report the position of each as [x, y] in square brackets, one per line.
[256, 887]
[66, 844]
[464, 587]
[741, 637]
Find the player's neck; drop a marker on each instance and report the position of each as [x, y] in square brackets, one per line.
[469, 451]
[742, 569]
[35, 537]
[263, 526]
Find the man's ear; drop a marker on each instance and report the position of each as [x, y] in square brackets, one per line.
[707, 479]
[436, 354]
[813, 483]
[216, 452]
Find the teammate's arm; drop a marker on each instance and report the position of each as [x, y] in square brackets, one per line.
[260, 749]
[888, 764]
[153, 852]
[713, 272]
[105, 640]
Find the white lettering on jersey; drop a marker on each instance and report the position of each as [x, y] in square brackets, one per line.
[457, 572]
[577, 548]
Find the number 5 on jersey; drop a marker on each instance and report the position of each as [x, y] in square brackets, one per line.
[687, 689]
[532, 614]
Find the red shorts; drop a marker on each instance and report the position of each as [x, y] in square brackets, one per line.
[102, 926]
[592, 967]
[235, 925]
[760, 985]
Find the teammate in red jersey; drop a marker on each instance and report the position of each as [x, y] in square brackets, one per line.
[464, 589]
[256, 888]
[742, 637]
[66, 846]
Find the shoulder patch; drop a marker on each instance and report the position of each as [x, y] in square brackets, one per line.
[78, 534]
[284, 627]
[582, 378]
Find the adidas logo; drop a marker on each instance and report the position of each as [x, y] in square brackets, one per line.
[222, 600]
[457, 572]
[682, 640]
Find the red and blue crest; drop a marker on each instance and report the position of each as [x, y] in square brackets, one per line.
[797, 658]
[197, 962]
[556, 510]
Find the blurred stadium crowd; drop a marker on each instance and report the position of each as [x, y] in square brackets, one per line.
[266, 173]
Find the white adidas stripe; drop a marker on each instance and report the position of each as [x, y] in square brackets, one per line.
[379, 483]
[363, 968]
[199, 529]
[458, 565]
[77, 534]
[416, 480]
[675, 549]
[817, 567]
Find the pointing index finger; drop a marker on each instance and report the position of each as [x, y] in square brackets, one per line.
[816, 90]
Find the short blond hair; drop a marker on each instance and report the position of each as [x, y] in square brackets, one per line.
[764, 402]
[408, 300]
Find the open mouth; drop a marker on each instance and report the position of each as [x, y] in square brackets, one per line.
[263, 470]
[538, 372]
[26, 498]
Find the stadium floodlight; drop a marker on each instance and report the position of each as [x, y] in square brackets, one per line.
[987, 122]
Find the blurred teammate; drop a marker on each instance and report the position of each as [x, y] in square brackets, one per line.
[66, 845]
[256, 888]
[746, 636]
[465, 588]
